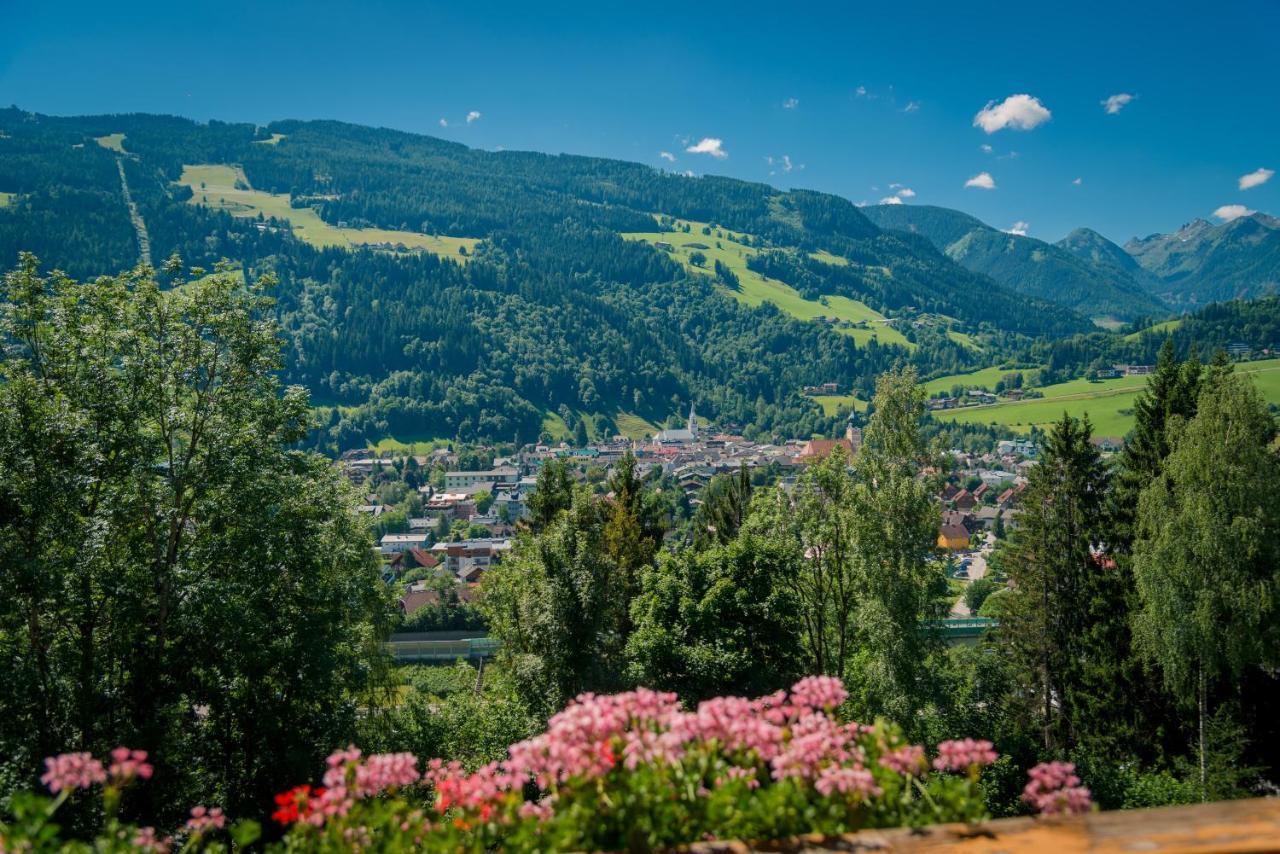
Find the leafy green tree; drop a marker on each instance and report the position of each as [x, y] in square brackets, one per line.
[176, 577]
[717, 622]
[865, 544]
[896, 528]
[1207, 557]
[1055, 572]
[557, 604]
[977, 592]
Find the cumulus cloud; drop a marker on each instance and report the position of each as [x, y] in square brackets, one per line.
[907, 193]
[983, 181]
[790, 103]
[986, 149]
[473, 116]
[1226, 213]
[667, 156]
[444, 123]
[861, 92]
[709, 145]
[1020, 112]
[1078, 181]
[1019, 228]
[1116, 102]
[1256, 178]
[891, 200]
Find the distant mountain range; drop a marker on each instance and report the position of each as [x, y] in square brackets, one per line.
[1083, 272]
[1202, 263]
[1196, 265]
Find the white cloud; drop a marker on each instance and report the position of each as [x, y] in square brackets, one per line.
[983, 181]
[986, 149]
[709, 145]
[1078, 181]
[786, 163]
[473, 116]
[688, 173]
[907, 193]
[1116, 103]
[1019, 228]
[1226, 213]
[790, 103]
[1020, 112]
[861, 92]
[1256, 178]
[444, 123]
[891, 200]
[911, 107]
[667, 156]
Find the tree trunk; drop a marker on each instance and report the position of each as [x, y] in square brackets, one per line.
[1204, 761]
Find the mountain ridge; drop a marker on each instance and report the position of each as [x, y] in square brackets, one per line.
[1030, 266]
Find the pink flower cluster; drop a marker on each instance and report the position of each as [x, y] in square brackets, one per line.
[1054, 789]
[857, 780]
[203, 819]
[819, 692]
[146, 839]
[964, 754]
[908, 761]
[72, 771]
[128, 764]
[81, 770]
[595, 734]
[349, 778]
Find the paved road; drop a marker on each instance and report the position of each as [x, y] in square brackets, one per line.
[977, 569]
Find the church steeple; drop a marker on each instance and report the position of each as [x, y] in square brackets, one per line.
[693, 421]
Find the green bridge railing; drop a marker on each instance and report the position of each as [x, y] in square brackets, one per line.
[475, 649]
[442, 651]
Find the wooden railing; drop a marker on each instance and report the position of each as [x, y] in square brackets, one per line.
[1227, 827]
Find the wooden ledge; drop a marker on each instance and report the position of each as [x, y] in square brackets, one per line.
[1226, 827]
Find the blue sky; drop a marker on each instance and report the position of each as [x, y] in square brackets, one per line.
[848, 98]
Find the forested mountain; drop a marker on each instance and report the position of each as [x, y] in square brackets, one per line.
[1202, 262]
[1024, 264]
[1089, 245]
[432, 290]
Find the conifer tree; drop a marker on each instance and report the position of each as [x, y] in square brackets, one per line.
[1053, 566]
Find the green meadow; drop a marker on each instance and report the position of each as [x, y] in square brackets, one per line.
[755, 289]
[1108, 403]
[985, 378]
[1157, 329]
[834, 404]
[226, 188]
[274, 140]
[6, 199]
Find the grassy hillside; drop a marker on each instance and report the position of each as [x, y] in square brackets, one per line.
[112, 141]
[223, 187]
[1108, 403]
[985, 378]
[727, 248]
